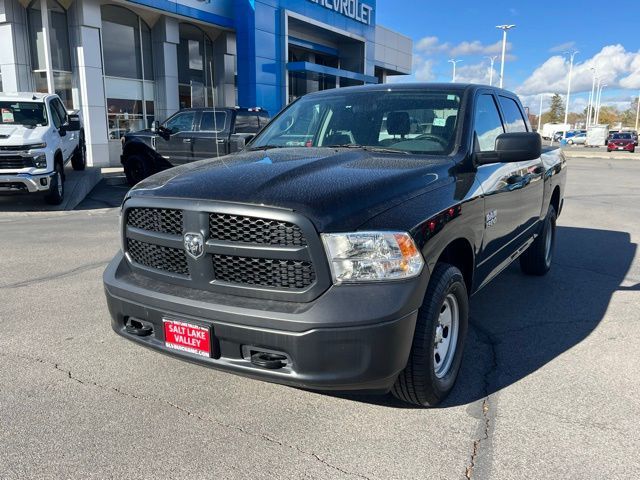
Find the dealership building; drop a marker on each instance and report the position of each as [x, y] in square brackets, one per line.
[124, 64]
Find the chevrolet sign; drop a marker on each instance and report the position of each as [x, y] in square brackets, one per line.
[354, 9]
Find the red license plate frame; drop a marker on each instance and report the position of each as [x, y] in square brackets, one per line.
[187, 337]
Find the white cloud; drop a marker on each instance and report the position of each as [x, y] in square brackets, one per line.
[617, 67]
[562, 47]
[475, 73]
[432, 45]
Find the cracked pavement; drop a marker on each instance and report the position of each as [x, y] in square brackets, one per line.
[548, 388]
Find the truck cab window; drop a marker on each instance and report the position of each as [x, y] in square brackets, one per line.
[181, 122]
[487, 123]
[213, 123]
[247, 123]
[514, 121]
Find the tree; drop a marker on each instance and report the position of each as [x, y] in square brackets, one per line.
[556, 110]
[628, 117]
[608, 116]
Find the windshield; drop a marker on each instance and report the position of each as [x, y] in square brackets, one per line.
[409, 121]
[621, 136]
[31, 114]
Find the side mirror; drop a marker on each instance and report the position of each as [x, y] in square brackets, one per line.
[74, 123]
[512, 147]
[62, 131]
[155, 126]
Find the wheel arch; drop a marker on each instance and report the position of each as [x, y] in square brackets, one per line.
[460, 254]
[555, 199]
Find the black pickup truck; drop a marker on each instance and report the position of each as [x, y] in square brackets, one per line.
[340, 248]
[189, 135]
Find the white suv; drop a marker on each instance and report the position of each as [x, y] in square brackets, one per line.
[38, 137]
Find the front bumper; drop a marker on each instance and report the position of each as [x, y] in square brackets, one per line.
[25, 182]
[627, 147]
[353, 337]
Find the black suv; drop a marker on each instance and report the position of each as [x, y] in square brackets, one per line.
[189, 135]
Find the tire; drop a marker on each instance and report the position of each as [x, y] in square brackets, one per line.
[79, 157]
[424, 381]
[570, 142]
[537, 259]
[633, 150]
[136, 168]
[56, 188]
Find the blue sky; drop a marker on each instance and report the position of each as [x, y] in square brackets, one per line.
[466, 30]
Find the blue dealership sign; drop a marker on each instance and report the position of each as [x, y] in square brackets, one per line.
[218, 12]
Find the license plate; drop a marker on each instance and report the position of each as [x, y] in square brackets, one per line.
[620, 148]
[187, 337]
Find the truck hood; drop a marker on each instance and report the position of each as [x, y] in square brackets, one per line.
[336, 188]
[15, 135]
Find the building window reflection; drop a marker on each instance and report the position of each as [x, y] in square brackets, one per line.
[195, 67]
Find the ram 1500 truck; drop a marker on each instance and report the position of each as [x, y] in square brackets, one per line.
[339, 250]
[38, 137]
[189, 135]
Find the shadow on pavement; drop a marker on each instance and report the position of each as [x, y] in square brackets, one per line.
[518, 323]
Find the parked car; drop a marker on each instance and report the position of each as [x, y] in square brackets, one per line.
[189, 135]
[611, 134]
[578, 139]
[347, 263]
[621, 141]
[38, 137]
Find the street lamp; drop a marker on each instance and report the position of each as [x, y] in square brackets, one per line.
[593, 86]
[599, 104]
[540, 113]
[595, 100]
[454, 62]
[492, 60]
[504, 29]
[566, 110]
[637, 111]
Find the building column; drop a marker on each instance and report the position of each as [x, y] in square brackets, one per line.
[85, 21]
[224, 55]
[15, 64]
[166, 37]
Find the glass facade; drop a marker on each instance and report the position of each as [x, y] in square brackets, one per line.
[59, 49]
[128, 71]
[195, 67]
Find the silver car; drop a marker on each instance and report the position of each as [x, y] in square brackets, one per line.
[578, 139]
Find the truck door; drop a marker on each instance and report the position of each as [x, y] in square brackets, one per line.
[175, 142]
[68, 140]
[529, 184]
[211, 138]
[501, 196]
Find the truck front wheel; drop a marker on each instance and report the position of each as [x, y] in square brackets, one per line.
[436, 353]
[56, 187]
[136, 168]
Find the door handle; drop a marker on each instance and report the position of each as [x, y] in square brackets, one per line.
[220, 141]
[186, 140]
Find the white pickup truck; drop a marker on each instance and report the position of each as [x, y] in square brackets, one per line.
[38, 137]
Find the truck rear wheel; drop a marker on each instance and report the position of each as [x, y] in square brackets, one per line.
[536, 260]
[56, 188]
[79, 157]
[438, 341]
[136, 168]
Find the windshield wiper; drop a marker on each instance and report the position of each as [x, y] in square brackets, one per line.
[265, 147]
[371, 148]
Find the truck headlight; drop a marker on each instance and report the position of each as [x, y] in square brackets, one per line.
[40, 161]
[372, 256]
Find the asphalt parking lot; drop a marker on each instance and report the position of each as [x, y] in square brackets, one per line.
[549, 385]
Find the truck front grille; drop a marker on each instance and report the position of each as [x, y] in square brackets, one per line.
[264, 271]
[156, 219]
[247, 250]
[159, 257]
[15, 162]
[236, 228]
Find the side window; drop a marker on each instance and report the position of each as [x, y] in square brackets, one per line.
[512, 115]
[247, 123]
[55, 114]
[209, 123]
[181, 122]
[487, 123]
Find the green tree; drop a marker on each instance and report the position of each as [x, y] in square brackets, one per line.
[556, 110]
[609, 116]
[628, 117]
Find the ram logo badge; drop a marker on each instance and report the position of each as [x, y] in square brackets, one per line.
[491, 218]
[194, 244]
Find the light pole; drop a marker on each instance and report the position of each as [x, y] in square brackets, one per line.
[566, 110]
[504, 29]
[599, 103]
[593, 86]
[595, 100]
[454, 62]
[492, 60]
[637, 111]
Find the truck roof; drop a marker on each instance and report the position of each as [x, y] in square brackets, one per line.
[445, 87]
[25, 96]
